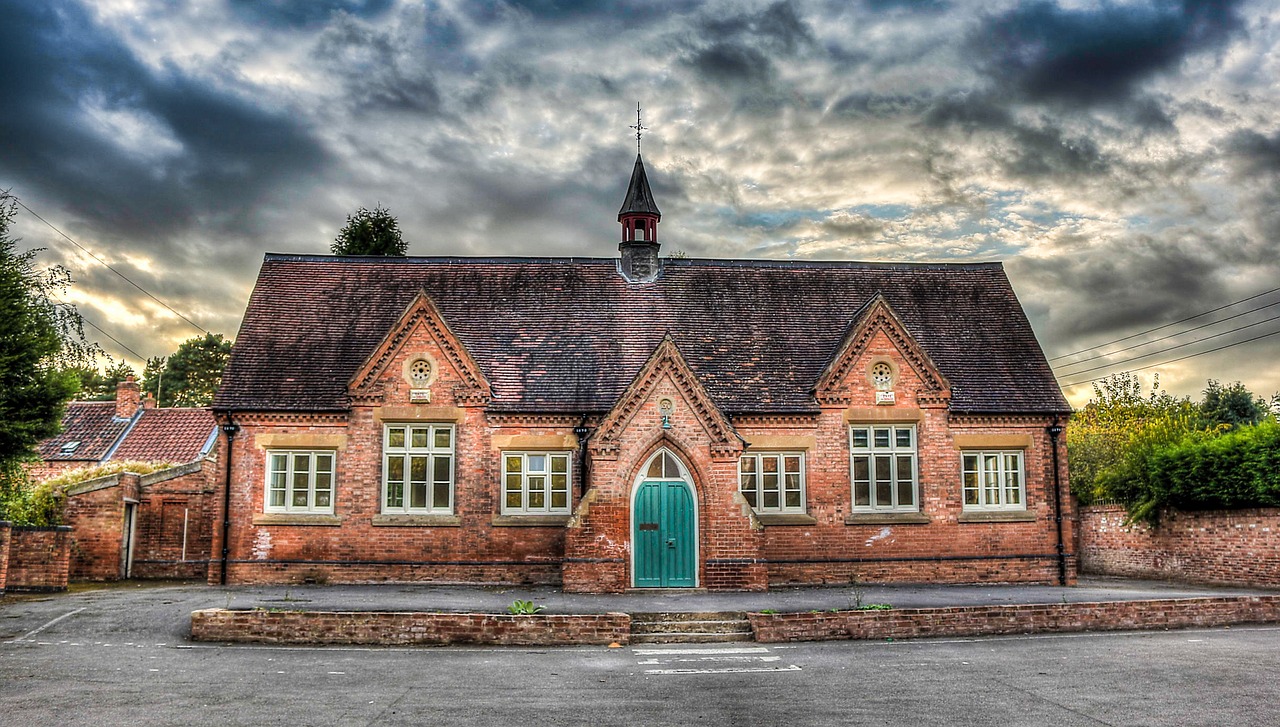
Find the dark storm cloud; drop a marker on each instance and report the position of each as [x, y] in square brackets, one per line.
[1255, 153]
[740, 49]
[224, 152]
[305, 13]
[1132, 282]
[378, 73]
[1098, 55]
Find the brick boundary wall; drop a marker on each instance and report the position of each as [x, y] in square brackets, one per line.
[1221, 547]
[1015, 619]
[406, 628]
[5, 526]
[39, 558]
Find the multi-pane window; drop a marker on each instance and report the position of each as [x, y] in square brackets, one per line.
[535, 483]
[882, 465]
[993, 481]
[417, 468]
[299, 481]
[772, 482]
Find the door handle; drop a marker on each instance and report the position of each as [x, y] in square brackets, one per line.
[671, 542]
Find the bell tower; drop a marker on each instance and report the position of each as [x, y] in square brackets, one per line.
[639, 217]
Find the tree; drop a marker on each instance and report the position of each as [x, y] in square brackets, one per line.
[190, 376]
[39, 339]
[1233, 405]
[100, 385]
[370, 233]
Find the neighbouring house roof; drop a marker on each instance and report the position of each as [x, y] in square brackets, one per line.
[569, 335]
[93, 424]
[151, 435]
[168, 435]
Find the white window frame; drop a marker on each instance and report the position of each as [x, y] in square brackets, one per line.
[284, 481]
[866, 447]
[398, 482]
[757, 493]
[1001, 487]
[531, 481]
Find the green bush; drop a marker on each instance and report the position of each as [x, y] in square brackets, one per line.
[1238, 469]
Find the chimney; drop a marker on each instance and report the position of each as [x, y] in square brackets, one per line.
[128, 398]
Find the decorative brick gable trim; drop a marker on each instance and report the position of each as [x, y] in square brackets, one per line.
[666, 360]
[877, 316]
[422, 311]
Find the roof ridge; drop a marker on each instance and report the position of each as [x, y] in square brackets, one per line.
[611, 261]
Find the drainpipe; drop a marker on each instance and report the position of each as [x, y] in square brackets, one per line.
[1054, 431]
[584, 465]
[229, 428]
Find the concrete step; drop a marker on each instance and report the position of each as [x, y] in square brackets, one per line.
[677, 627]
[690, 627]
[690, 616]
[690, 638]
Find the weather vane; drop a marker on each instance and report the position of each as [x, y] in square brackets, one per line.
[639, 127]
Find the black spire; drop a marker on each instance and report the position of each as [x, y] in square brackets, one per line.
[639, 199]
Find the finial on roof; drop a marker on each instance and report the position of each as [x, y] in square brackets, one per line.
[639, 127]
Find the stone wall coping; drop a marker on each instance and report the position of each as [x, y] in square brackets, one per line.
[171, 473]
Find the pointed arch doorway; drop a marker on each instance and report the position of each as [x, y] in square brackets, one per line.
[664, 525]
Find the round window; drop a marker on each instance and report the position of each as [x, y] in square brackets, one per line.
[882, 375]
[420, 372]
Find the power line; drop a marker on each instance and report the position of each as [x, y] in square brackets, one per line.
[98, 328]
[1183, 358]
[1171, 335]
[106, 265]
[1167, 325]
[1114, 364]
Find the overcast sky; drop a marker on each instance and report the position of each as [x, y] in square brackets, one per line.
[1121, 158]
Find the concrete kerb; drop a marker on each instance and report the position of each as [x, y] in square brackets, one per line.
[471, 615]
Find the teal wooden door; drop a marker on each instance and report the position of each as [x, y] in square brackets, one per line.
[663, 528]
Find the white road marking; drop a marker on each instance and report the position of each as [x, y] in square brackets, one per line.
[726, 670]
[33, 632]
[736, 660]
[725, 650]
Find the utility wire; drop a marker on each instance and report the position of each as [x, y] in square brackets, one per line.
[1167, 325]
[106, 265]
[98, 328]
[1183, 358]
[1171, 335]
[1114, 364]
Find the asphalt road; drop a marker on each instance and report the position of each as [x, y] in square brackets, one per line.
[96, 659]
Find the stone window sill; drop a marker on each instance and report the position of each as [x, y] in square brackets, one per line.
[887, 518]
[291, 518]
[416, 521]
[785, 518]
[1014, 516]
[530, 521]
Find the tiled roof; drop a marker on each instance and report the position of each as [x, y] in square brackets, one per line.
[568, 335]
[167, 435]
[91, 423]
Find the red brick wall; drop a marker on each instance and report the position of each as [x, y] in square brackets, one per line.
[175, 508]
[593, 553]
[358, 550]
[95, 513]
[1228, 547]
[406, 629]
[991, 620]
[4, 554]
[38, 558]
[170, 504]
